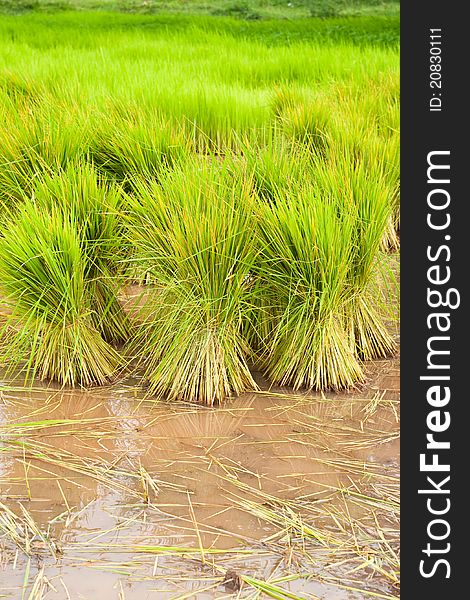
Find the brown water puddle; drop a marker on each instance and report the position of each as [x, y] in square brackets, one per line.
[142, 500]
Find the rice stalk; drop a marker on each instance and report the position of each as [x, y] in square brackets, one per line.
[51, 330]
[94, 207]
[194, 233]
[302, 281]
[24, 532]
[133, 143]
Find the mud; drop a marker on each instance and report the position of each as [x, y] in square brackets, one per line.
[143, 500]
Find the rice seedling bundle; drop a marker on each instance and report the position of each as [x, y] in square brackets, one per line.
[57, 279]
[365, 129]
[130, 143]
[276, 166]
[195, 232]
[302, 275]
[95, 207]
[319, 311]
[363, 194]
[304, 117]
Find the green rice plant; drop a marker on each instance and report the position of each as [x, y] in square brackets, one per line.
[95, 208]
[308, 124]
[19, 90]
[195, 234]
[391, 240]
[358, 139]
[275, 166]
[208, 75]
[51, 328]
[131, 143]
[364, 196]
[216, 115]
[304, 117]
[384, 100]
[37, 140]
[302, 277]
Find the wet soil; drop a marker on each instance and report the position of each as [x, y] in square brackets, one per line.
[115, 496]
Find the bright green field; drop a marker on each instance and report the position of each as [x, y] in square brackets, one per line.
[248, 167]
[217, 74]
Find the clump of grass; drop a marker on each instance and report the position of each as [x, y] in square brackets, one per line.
[18, 89]
[58, 279]
[302, 276]
[304, 117]
[308, 124]
[95, 208]
[391, 240]
[363, 194]
[130, 143]
[273, 167]
[39, 139]
[195, 234]
[50, 329]
[319, 297]
[364, 129]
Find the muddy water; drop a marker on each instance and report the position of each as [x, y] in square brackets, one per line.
[109, 479]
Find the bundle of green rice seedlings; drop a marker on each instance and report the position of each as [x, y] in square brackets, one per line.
[95, 207]
[51, 329]
[363, 197]
[275, 166]
[388, 103]
[364, 128]
[133, 144]
[304, 117]
[195, 234]
[215, 113]
[302, 283]
[307, 123]
[369, 306]
[365, 156]
[270, 169]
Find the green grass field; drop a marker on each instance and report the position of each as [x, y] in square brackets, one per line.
[243, 9]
